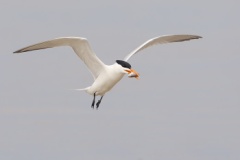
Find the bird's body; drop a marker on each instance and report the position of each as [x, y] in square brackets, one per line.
[105, 76]
[109, 76]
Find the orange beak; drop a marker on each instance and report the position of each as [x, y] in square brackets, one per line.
[132, 73]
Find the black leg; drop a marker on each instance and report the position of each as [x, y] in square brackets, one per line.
[99, 101]
[93, 102]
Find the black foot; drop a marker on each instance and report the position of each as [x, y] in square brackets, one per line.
[99, 101]
[93, 102]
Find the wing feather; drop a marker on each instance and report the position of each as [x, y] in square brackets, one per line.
[161, 40]
[79, 45]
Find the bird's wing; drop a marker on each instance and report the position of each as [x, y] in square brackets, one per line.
[79, 45]
[161, 40]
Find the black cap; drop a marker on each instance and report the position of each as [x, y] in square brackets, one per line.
[124, 64]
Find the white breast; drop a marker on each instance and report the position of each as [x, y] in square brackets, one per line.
[106, 80]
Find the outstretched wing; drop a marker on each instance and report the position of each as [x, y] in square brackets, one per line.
[79, 45]
[161, 40]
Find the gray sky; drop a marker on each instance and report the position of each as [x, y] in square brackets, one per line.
[185, 106]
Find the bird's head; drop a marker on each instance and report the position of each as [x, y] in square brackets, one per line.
[126, 68]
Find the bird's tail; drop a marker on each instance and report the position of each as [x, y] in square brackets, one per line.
[82, 89]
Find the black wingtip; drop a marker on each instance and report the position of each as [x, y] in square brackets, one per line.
[20, 51]
[199, 37]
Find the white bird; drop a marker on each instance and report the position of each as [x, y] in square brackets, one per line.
[105, 76]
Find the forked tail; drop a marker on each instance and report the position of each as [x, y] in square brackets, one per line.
[82, 89]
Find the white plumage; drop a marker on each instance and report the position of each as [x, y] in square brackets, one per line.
[105, 76]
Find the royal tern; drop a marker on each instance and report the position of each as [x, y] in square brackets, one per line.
[105, 76]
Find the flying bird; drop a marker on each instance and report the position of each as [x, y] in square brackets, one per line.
[105, 76]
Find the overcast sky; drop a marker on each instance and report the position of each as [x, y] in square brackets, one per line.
[186, 105]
